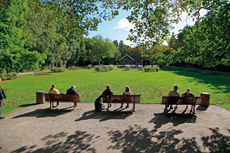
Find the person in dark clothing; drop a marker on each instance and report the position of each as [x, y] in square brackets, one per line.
[107, 91]
[72, 90]
[2, 96]
[188, 94]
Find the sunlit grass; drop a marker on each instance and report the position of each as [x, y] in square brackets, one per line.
[90, 85]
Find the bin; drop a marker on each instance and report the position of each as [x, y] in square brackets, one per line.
[205, 99]
[40, 97]
[110, 67]
[90, 66]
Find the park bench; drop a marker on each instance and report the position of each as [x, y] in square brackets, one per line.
[181, 101]
[121, 99]
[63, 98]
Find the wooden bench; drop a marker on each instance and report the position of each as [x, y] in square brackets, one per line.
[63, 98]
[181, 101]
[122, 99]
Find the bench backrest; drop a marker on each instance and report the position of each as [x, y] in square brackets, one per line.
[122, 98]
[63, 97]
[182, 100]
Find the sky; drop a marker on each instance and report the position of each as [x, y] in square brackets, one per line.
[118, 28]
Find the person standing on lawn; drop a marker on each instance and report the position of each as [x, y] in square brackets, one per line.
[2, 96]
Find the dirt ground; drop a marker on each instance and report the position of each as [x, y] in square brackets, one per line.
[34, 128]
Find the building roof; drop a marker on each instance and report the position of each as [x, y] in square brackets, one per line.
[127, 56]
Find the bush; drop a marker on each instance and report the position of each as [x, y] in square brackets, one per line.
[151, 69]
[210, 73]
[8, 76]
[73, 68]
[146, 69]
[42, 73]
[157, 68]
[57, 69]
[193, 70]
[174, 68]
[99, 69]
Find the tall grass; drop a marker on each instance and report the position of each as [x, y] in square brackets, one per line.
[91, 84]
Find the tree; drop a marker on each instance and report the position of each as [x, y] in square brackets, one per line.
[206, 43]
[13, 55]
[99, 48]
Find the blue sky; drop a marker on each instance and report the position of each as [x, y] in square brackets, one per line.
[118, 28]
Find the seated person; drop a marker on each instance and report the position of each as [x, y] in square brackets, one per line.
[54, 91]
[174, 93]
[127, 92]
[107, 91]
[188, 94]
[72, 90]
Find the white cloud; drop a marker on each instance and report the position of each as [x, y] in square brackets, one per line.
[124, 24]
[127, 42]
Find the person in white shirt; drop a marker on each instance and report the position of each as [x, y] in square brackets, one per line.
[174, 93]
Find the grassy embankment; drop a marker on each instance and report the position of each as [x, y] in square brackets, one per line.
[90, 85]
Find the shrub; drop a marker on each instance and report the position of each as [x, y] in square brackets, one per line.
[174, 68]
[99, 69]
[42, 73]
[151, 69]
[8, 76]
[57, 69]
[193, 70]
[157, 68]
[210, 73]
[73, 68]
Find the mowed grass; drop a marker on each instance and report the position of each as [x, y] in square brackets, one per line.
[91, 84]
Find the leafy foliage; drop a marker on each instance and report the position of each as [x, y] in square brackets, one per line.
[13, 55]
[57, 69]
[99, 69]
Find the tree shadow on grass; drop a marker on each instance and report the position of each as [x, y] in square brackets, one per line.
[39, 113]
[221, 82]
[105, 115]
[162, 118]
[78, 142]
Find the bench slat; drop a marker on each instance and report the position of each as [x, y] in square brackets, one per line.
[121, 98]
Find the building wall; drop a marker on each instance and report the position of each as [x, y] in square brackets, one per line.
[126, 60]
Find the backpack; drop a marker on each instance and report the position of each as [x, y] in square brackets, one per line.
[98, 105]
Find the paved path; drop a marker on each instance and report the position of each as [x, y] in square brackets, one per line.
[34, 128]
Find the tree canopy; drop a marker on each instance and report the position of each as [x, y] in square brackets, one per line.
[47, 33]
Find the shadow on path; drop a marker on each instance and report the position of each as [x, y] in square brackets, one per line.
[27, 105]
[138, 139]
[44, 113]
[202, 108]
[104, 115]
[133, 139]
[162, 118]
[77, 142]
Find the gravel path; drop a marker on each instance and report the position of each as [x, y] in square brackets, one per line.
[34, 128]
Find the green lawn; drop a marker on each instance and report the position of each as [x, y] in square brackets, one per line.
[90, 85]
